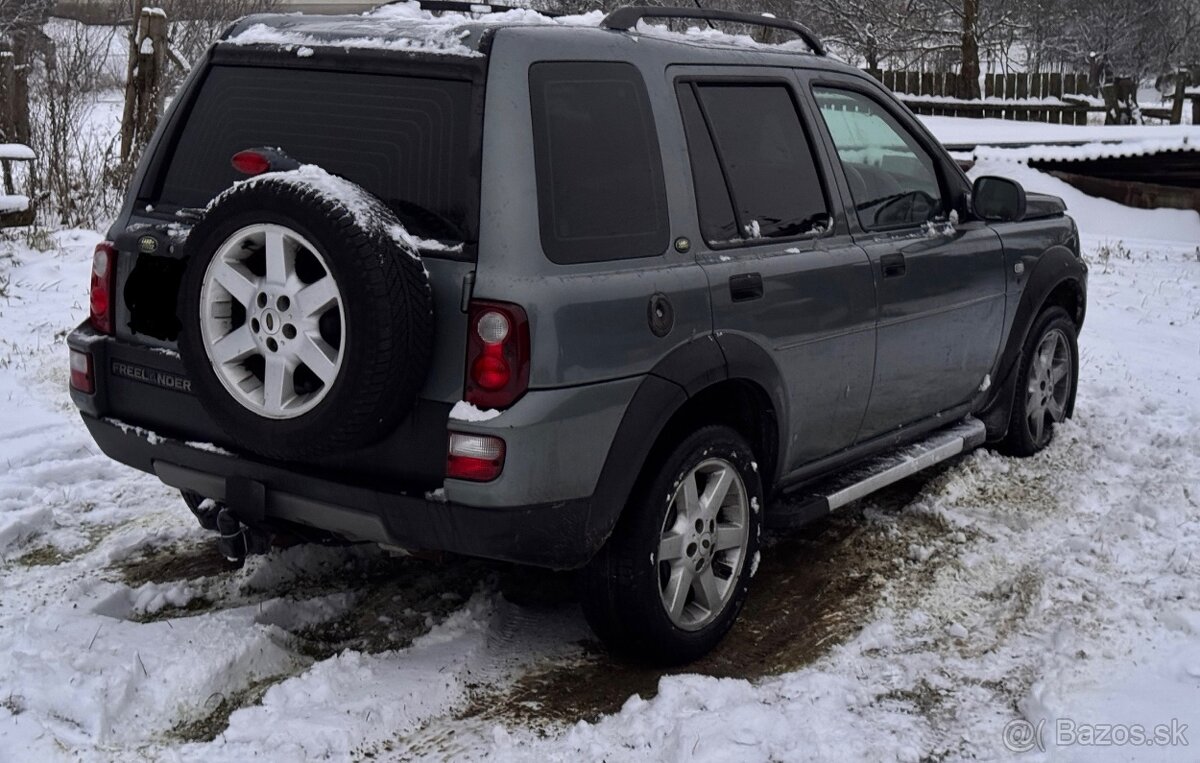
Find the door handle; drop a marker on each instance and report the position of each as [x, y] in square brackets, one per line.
[745, 286]
[893, 265]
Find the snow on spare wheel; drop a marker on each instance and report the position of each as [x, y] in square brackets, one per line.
[991, 608]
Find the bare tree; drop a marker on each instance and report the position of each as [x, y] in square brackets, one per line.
[20, 36]
[194, 25]
[71, 155]
[871, 31]
[21, 14]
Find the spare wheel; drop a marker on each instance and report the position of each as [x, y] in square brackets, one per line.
[307, 315]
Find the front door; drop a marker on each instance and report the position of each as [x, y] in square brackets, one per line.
[782, 268]
[940, 283]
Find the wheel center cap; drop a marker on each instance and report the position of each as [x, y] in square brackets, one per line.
[270, 322]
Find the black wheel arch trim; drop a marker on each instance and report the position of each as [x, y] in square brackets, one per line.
[1056, 266]
[682, 374]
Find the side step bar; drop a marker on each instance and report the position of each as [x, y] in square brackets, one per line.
[831, 494]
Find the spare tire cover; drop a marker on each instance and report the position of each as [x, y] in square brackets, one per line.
[307, 315]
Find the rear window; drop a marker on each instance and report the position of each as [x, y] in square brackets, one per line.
[600, 188]
[404, 139]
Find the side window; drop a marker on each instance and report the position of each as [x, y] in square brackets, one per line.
[755, 175]
[600, 188]
[717, 221]
[893, 181]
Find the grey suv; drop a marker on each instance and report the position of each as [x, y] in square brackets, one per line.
[606, 297]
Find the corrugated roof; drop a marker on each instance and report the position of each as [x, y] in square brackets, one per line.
[1088, 151]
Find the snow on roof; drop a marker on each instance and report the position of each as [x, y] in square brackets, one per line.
[1088, 151]
[439, 40]
[398, 27]
[17, 152]
[993, 100]
[407, 27]
[13, 204]
[966, 134]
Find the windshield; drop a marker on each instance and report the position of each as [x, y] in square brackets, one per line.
[404, 139]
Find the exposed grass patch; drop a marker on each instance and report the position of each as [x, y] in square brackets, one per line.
[42, 556]
[219, 708]
[195, 606]
[172, 563]
[398, 601]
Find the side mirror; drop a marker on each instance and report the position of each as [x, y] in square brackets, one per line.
[998, 200]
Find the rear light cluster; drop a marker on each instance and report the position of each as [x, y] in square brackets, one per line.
[104, 266]
[82, 377]
[497, 376]
[478, 458]
[497, 354]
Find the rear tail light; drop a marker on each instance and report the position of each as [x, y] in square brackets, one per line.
[82, 378]
[497, 354]
[104, 266]
[478, 458]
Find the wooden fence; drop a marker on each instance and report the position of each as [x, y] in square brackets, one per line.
[1050, 97]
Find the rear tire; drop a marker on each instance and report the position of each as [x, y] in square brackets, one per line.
[1046, 381]
[672, 579]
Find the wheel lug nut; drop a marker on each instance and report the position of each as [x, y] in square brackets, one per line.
[699, 525]
[262, 300]
[272, 345]
[691, 549]
[289, 331]
[283, 303]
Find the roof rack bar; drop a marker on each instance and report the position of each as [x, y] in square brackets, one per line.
[625, 19]
[466, 6]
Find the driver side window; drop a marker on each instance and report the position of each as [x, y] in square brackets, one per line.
[893, 181]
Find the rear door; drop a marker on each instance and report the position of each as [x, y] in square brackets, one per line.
[940, 283]
[782, 268]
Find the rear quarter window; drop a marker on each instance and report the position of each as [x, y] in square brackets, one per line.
[600, 188]
[404, 139]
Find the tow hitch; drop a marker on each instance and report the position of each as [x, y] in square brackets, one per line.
[238, 539]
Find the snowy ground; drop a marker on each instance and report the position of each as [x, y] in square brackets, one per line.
[919, 624]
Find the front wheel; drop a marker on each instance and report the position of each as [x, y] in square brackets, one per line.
[672, 578]
[1047, 377]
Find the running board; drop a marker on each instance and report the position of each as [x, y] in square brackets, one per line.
[835, 492]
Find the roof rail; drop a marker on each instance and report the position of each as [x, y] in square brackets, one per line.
[625, 19]
[466, 6]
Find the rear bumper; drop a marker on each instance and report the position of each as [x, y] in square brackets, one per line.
[554, 535]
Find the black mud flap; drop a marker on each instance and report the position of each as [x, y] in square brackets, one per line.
[242, 522]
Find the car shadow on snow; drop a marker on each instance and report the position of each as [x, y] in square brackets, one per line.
[814, 589]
